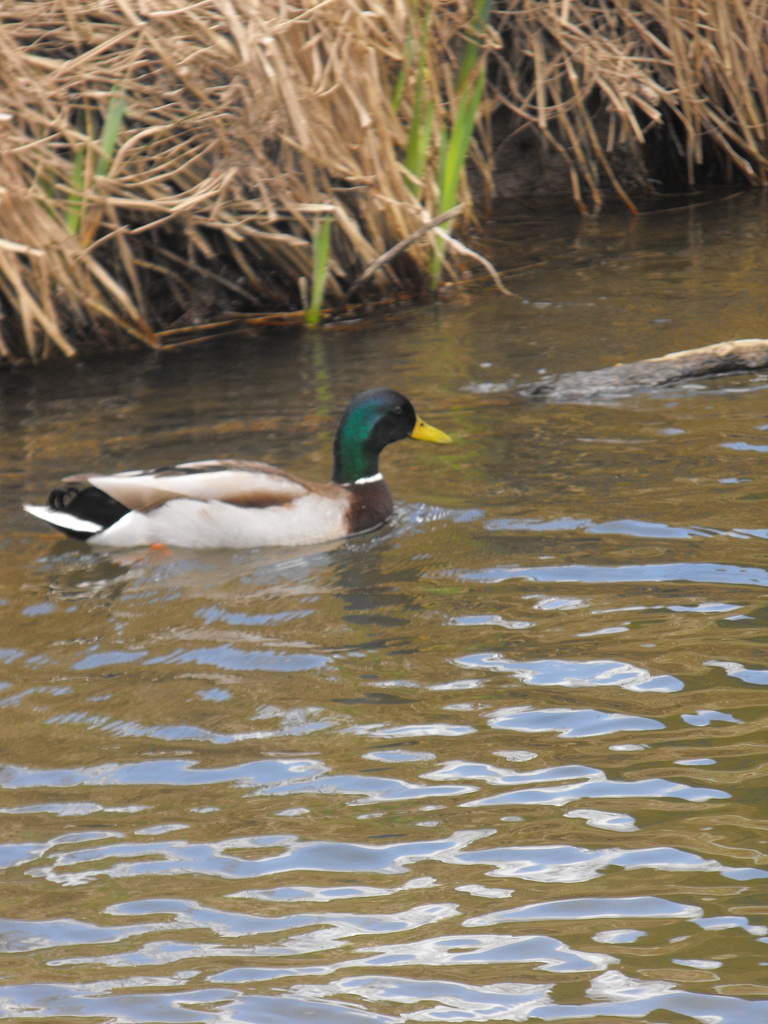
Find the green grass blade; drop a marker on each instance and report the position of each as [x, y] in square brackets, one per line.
[397, 93]
[452, 159]
[473, 46]
[417, 150]
[420, 132]
[112, 125]
[77, 182]
[402, 77]
[455, 143]
[321, 251]
[458, 144]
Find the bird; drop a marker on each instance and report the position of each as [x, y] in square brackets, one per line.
[234, 503]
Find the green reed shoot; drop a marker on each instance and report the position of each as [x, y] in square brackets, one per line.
[453, 156]
[470, 87]
[77, 183]
[80, 175]
[113, 122]
[321, 252]
[420, 132]
[473, 53]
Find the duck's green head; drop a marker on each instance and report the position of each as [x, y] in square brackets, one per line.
[371, 421]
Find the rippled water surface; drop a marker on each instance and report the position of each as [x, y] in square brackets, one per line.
[503, 760]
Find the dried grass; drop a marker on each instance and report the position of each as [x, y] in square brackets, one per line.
[245, 121]
[596, 78]
[248, 121]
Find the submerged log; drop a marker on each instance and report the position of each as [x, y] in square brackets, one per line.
[628, 378]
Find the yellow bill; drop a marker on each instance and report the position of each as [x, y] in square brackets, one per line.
[423, 432]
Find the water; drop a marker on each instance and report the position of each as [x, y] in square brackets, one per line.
[501, 760]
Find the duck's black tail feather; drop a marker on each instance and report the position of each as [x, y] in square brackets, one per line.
[79, 513]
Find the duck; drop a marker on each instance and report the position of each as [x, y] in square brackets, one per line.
[233, 503]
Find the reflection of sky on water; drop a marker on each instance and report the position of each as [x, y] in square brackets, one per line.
[501, 760]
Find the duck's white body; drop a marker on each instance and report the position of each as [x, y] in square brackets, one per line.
[216, 524]
[218, 504]
[237, 504]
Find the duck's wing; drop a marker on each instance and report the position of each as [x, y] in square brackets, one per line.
[234, 482]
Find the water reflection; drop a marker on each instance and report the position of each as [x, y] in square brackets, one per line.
[502, 760]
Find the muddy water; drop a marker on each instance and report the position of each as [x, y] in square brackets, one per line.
[504, 759]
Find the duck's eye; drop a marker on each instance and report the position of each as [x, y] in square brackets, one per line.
[398, 410]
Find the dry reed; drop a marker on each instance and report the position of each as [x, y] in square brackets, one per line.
[597, 79]
[243, 124]
[165, 162]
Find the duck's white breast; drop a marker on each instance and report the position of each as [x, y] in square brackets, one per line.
[185, 522]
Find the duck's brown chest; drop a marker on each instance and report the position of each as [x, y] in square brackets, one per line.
[370, 505]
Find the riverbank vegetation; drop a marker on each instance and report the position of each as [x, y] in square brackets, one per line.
[166, 164]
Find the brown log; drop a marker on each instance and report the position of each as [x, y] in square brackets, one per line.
[627, 378]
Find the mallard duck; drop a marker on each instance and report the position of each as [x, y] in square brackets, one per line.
[238, 504]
